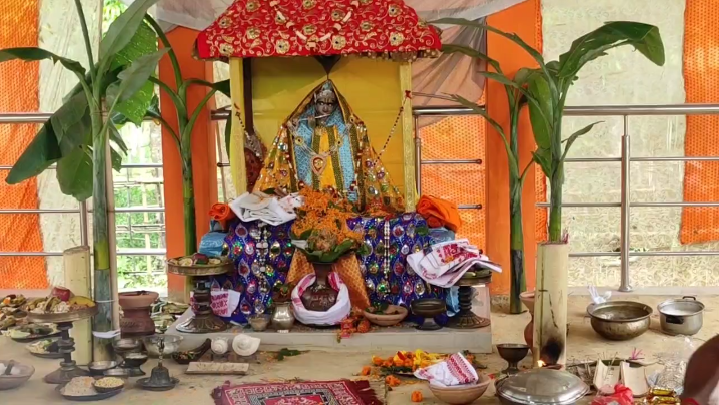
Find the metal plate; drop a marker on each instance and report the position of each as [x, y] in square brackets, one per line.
[88, 398]
[199, 270]
[32, 337]
[48, 355]
[64, 317]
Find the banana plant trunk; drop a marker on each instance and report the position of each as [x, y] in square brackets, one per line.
[188, 193]
[555, 203]
[102, 322]
[518, 280]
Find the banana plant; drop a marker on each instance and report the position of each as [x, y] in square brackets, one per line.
[185, 123]
[544, 90]
[77, 136]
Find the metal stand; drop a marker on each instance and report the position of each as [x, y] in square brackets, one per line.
[203, 320]
[68, 369]
[465, 318]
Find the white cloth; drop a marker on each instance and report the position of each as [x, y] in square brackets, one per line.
[245, 345]
[447, 262]
[455, 370]
[224, 302]
[258, 206]
[333, 316]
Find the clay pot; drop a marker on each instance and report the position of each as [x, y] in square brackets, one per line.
[320, 296]
[388, 320]
[137, 299]
[527, 299]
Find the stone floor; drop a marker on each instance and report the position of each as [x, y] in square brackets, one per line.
[583, 343]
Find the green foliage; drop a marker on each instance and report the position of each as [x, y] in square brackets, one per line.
[66, 138]
[545, 90]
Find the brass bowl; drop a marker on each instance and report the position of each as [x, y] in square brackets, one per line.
[620, 320]
[428, 307]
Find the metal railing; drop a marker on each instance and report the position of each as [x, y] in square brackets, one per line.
[625, 160]
[82, 210]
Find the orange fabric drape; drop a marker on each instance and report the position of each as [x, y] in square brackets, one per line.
[701, 82]
[19, 93]
[524, 19]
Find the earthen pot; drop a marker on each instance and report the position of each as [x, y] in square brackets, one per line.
[527, 299]
[137, 299]
[461, 394]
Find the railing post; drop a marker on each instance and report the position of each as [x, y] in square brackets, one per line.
[625, 204]
[83, 223]
[417, 156]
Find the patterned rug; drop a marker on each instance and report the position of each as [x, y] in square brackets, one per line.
[342, 392]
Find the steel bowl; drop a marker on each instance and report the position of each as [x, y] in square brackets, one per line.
[620, 320]
[22, 373]
[152, 344]
[98, 368]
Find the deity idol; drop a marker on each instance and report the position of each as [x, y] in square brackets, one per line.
[323, 145]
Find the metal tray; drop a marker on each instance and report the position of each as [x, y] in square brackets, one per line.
[199, 270]
[88, 398]
[63, 317]
[34, 337]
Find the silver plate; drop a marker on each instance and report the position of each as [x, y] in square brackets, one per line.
[542, 386]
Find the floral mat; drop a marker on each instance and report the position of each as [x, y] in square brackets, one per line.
[342, 392]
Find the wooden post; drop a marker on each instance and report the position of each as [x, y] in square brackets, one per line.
[76, 266]
[550, 306]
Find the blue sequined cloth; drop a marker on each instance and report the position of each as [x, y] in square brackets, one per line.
[262, 255]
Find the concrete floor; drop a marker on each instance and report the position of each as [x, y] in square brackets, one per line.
[583, 343]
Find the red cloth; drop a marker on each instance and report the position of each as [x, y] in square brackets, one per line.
[342, 392]
[262, 28]
[622, 396]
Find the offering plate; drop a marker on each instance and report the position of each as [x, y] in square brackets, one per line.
[66, 345]
[202, 320]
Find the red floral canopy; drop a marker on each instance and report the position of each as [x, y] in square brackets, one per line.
[261, 28]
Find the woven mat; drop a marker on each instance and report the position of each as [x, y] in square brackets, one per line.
[342, 392]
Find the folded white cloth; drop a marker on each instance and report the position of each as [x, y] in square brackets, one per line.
[455, 370]
[447, 262]
[333, 316]
[266, 208]
[224, 302]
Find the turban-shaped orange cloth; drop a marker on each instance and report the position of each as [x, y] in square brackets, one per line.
[347, 267]
[222, 214]
[439, 213]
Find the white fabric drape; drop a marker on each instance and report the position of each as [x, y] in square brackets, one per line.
[449, 74]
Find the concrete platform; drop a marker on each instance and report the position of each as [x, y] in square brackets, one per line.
[384, 339]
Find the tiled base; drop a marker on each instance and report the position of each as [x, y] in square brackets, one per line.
[382, 340]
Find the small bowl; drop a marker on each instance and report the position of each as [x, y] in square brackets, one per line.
[103, 390]
[388, 320]
[133, 360]
[8, 382]
[259, 322]
[461, 394]
[126, 345]
[98, 368]
[152, 344]
[428, 307]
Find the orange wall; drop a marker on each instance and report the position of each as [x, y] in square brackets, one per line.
[204, 159]
[19, 93]
[521, 19]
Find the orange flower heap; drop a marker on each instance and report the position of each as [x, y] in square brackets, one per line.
[322, 221]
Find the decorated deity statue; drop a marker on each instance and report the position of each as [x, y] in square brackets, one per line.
[323, 145]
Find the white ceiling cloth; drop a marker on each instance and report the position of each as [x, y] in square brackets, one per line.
[449, 74]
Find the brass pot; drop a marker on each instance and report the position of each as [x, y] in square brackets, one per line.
[283, 316]
[620, 320]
